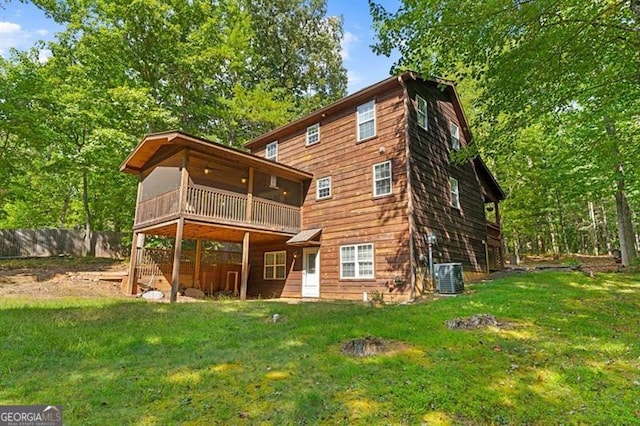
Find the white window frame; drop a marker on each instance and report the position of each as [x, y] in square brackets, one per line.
[273, 263]
[422, 115]
[357, 261]
[273, 182]
[313, 134]
[376, 180]
[455, 136]
[320, 186]
[360, 111]
[271, 155]
[454, 187]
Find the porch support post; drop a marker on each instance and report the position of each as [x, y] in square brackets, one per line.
[245, 267]
[250, 195]
[177, 254]
[197, 266]
[132, 287]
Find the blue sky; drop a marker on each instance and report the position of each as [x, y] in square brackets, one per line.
[21, 25]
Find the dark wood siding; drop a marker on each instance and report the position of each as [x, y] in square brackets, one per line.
[352, 215]
[460, 232]
[259, 287]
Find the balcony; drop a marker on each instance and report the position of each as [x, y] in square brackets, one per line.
[215, 205]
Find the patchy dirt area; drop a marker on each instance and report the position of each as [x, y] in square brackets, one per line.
[588, 264]
[56, 278]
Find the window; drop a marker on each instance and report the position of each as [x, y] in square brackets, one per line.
[274, 265]
[323, 188]
[366, 120]
[273, 182]
[313, 134]
[423, 119]
[271, 151]
[382, 179]
[356, 261]
[455, 137]
[455, 193]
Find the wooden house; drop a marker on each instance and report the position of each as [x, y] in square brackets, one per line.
[334, 205]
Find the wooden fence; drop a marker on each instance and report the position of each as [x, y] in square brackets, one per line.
[56, 242]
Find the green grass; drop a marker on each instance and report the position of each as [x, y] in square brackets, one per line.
[572, 358]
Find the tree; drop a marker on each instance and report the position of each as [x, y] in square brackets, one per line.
[125, 68]
[538, 62]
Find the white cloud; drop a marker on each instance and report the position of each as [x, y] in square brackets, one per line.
[348, 40]
[9, 28]
[354, 81]
[44, 55]
[42, 32]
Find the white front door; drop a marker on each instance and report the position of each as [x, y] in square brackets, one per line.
[310, 272]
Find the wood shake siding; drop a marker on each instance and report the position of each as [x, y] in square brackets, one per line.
[352, 215]
[460, 232]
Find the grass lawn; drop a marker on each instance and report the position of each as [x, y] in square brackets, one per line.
[572, 357]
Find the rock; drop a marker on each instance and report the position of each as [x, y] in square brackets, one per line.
[194, 292]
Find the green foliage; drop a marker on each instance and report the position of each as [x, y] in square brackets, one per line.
[553, 94]
[569, 357]
[121, 69]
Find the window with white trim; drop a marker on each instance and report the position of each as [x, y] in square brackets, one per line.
[423, 118]
[455, 192]
[455, 137]
[323, 188]
[271, 151]
[313, 134]
[273, 182]
[382, 179]
[366, 120]
[356, 261]
[275, 265]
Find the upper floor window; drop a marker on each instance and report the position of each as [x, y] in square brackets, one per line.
[271, 151]
[382, 179]
[313, 134]
[356, 261]
[455, 192]
[323, 188]
[455, 137]
[423, 118]
[275, 265]
[366, 120]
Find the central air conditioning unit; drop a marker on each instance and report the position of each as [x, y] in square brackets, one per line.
[449, 278]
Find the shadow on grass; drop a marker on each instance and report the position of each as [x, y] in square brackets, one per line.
[572, 358]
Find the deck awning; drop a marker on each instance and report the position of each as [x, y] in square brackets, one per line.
[308, 237]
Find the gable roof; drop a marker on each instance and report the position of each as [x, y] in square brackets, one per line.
[154, 142]
[365, 95]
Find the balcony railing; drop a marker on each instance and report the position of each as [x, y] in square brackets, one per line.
[158, 207]
[217, 205]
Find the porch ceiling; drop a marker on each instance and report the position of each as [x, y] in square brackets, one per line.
[194, 230]
[153, 143]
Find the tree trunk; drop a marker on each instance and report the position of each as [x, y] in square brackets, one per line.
[88, 225]
[623, 212]
[605, 229]
[594, 229]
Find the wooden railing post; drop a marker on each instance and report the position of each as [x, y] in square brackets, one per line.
[184, 182]
[250, 196]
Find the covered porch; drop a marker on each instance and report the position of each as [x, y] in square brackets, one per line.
[196, 190]
[220, 271]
